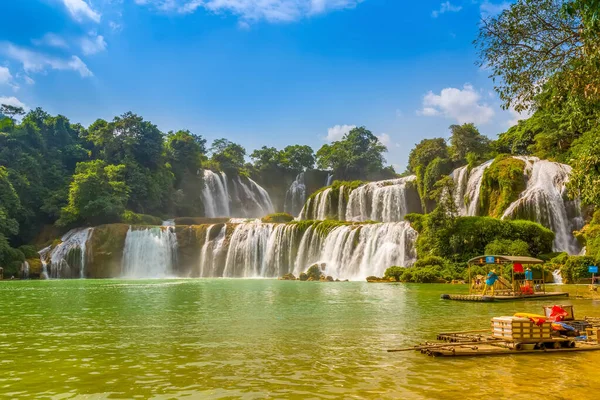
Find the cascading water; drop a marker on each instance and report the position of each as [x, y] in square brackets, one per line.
[329, 180]
[25, 270]
[319, 207]
[545, 201]
[246, 255]
[169, 222]
[215, 194]
[295, 196]
[67, 260]
[43, 258]
[468, 187]
[223, 197]
[385, 201]
[557, 277]
[149, 253]
[264, 250]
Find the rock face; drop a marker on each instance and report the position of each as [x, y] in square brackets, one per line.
[105, 254]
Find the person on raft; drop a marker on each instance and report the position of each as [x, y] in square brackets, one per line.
[489, 282]
[529, 277]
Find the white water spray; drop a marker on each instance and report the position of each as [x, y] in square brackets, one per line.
[149, 253]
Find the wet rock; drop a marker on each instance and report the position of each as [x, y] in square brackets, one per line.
[288, 277]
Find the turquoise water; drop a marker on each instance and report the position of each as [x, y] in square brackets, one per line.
[261, 338]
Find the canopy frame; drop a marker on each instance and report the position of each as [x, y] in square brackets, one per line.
[501, 261]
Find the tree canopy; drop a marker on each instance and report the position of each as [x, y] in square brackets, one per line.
[358, 155]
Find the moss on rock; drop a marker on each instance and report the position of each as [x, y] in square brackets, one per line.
[503, 181]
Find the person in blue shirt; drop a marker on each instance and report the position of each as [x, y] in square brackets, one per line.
[529, 277]
[489, 281]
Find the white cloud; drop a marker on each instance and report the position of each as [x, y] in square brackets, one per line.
[254, 10]
[92, 44]
[5, 76]
[444, 8]
[52, 40]
[80, 10]
[488, 9]
[116, 27]
[13, 101]
[28, 80]
[385, 139]
[38, 62]
[337, 132]
[517, 116]
[463, 105]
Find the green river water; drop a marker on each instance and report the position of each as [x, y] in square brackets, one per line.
[262, 339]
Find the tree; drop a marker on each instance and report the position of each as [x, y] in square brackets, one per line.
[184, 152]
[425, 152]
[466, 139]
[358, 155]
[229, 156]
[299, 157]
[584, 182]
[98, 194]
[268, 158]
[9, 205]
[538, 41]
[11, 111]
[128, 138]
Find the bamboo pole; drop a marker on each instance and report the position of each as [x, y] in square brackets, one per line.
[437, 346]
[458, 333]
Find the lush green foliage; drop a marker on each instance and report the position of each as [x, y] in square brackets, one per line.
[394, 272]
[278, 218]
[460, 239]
[507, 247]
[359, 155]
[466, 139]
[98, 193]
[502, 183]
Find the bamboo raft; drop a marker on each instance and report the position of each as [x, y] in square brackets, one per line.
[481, 298]
[481, 343]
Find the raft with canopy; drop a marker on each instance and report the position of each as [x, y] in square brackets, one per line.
[517, 288]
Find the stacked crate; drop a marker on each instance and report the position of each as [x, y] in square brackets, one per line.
[520, 330]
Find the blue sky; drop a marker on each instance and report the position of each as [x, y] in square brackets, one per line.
[258, 72]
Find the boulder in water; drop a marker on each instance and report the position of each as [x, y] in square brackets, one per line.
[303, 277]
[288, 277]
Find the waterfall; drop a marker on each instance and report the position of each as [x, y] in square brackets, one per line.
[320, 206]
[67, 259]
[43, 258]
[215, 195]
[246, 256]
[460, 177]
[295, 196]
[211, 251]
[329, 180]
[25, 270]
[545, 201]
[168, 222]
[267, 250]
[149, 253]
[358, 252]
[557, 277]
[236, 197]
[468, 187]
[385, 201]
